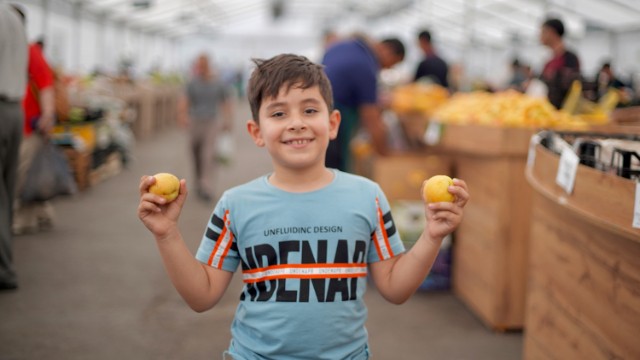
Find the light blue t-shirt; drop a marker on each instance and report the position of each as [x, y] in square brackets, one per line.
[304, 263]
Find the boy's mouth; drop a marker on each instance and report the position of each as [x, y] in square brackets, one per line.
[297, 142]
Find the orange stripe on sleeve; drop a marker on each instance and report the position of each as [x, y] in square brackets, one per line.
[219, 240]
[377, 245]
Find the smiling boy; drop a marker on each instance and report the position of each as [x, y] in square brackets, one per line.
[306, 237]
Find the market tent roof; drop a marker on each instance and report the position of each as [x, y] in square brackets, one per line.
[460, 21]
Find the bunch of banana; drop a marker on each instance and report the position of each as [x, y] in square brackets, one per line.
[589, 111]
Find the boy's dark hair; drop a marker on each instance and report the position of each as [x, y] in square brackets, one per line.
[556, 25]
[424, 35]
[396, 46]
[285, 70]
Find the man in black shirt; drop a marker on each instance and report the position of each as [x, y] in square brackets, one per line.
[432, 67]
[561, 70]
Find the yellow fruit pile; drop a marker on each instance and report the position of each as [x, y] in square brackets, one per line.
[591, 112]
[418, 98]
[508, 108]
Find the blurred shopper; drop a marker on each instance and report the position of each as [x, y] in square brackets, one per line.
[39, 119]
[605, 79]
[563, 68]
[329, 37]
[205, 109]
[13, 72]
[352, 66]
[433, 67]
[518, 76]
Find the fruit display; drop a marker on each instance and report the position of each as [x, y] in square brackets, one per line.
[418, 98]
[167, 185]
[508, 109]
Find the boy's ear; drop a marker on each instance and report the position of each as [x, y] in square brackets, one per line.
[334, 124]
[253, 128]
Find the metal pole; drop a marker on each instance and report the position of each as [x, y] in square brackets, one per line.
[77, 14]
[45, 18]
[100, 41]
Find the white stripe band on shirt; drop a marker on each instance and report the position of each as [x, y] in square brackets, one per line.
[305, 272]
[382, 245]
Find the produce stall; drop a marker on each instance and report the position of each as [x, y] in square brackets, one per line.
[583, 295]
[487, 138]
[96, 138]
[105, 117]
[151, 104]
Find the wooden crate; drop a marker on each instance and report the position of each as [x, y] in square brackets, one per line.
[583, 297]
[491, 245]
[80, 163]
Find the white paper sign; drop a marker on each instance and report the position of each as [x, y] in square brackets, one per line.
[567, 169]
[636, 208]
[531, 156]
[433, 133]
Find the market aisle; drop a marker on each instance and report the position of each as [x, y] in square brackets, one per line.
[94, 286]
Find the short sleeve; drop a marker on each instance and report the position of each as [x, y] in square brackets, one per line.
[218, 247]
[39, 70]
[385, 239]
[571, 61]
[365, 82]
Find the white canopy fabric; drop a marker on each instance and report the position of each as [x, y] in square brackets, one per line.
[484, 21]
[480, 34]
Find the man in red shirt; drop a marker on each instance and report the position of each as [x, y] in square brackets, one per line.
[563, 68]
[39, 102]
[39, 117]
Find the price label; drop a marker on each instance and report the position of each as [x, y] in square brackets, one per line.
[433, 133]
[531, 156]
[567, 170]
[636, 208]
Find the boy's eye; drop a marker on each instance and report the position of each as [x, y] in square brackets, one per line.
[310, 111]
[278, 114]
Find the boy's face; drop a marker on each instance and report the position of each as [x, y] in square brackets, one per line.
[295, 128]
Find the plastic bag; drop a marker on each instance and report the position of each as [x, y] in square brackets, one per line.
[224, 148]
[49, 175]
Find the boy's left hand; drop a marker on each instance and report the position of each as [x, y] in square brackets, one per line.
[444, 217]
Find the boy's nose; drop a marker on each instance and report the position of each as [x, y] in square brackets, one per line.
[297, 124]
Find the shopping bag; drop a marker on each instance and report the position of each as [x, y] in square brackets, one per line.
[49, 175]
[224, 148]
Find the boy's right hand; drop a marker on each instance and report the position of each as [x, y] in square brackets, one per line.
[160, 217]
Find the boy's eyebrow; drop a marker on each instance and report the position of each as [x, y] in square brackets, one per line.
[276, 104]
[284, 103]
[312, 100]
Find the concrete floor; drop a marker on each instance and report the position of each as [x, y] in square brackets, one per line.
[94, 286]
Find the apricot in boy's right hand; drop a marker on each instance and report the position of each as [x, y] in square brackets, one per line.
[167, 185]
